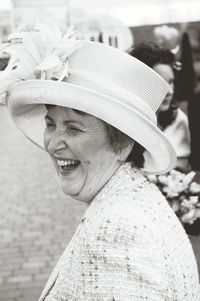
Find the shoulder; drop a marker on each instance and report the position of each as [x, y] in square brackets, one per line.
[183, 125]
[181, 116]
[180, 124]
[126, 212]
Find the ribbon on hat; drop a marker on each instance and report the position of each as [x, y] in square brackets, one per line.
[38, 54]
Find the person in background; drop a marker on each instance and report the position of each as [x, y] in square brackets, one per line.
[171, 119]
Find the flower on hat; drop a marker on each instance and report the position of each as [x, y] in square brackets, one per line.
[55, 64]
[41, 53]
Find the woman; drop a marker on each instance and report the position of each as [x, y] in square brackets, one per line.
[171, 120]
[93, 109]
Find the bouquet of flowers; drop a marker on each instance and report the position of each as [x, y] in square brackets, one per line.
[182, 190]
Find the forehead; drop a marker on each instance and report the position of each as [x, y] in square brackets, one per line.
[164, 70]
[53, 110]
[63, 114]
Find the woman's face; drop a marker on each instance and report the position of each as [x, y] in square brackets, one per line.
[79, 148]
[167, 73]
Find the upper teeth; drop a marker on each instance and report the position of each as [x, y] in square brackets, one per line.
[66, 162]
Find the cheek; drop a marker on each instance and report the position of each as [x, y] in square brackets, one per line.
[90, 151]
[171, 88]
[86, 151]
[99, 154]
[46, 140]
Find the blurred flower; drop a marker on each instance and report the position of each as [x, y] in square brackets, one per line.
[194, 188]
[188, 178]
[182, 193]
[175, 205]
[167, 37]
[152, 178]
[189, 217]
[167, 32]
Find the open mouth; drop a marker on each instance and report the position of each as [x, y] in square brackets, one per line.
[167, 100]
[67, 165]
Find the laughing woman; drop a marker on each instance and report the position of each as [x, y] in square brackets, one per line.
[92, 107]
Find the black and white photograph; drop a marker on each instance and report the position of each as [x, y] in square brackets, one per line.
[100, 150]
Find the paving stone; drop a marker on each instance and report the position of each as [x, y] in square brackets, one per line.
[10, 295]
[36, 284]
[5, 271]
[19, 278]
[29, 298]
[42, 277]
[32, 272]
[9, 287]
[34, 264]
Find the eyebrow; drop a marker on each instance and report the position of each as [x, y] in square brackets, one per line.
[65, 122]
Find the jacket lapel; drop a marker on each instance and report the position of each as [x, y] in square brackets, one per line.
[50, 283]
[52, 279]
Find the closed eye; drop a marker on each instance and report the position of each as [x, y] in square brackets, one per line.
[14, 67]
[49, 123]
[73, 129]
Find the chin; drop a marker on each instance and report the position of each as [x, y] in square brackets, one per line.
[164, 108]
[71, 188]
[65, 184]
[77, 192]
[69, 193]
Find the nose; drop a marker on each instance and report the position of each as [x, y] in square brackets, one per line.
[55, 142]
[171, 89]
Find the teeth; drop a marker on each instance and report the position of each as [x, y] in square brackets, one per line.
[66, 162]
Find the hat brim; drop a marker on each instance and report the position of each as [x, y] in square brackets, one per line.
[26, 104]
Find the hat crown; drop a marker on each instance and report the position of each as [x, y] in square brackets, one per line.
[116, 72]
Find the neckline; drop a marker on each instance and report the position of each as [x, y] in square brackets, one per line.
[125, 175]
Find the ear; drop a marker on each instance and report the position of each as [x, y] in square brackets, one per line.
[124, 152]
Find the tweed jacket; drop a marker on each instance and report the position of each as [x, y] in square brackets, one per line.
[129, 246]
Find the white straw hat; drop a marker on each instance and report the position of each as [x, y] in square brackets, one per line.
[97, 79]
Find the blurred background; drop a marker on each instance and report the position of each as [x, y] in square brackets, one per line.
[36, 219]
